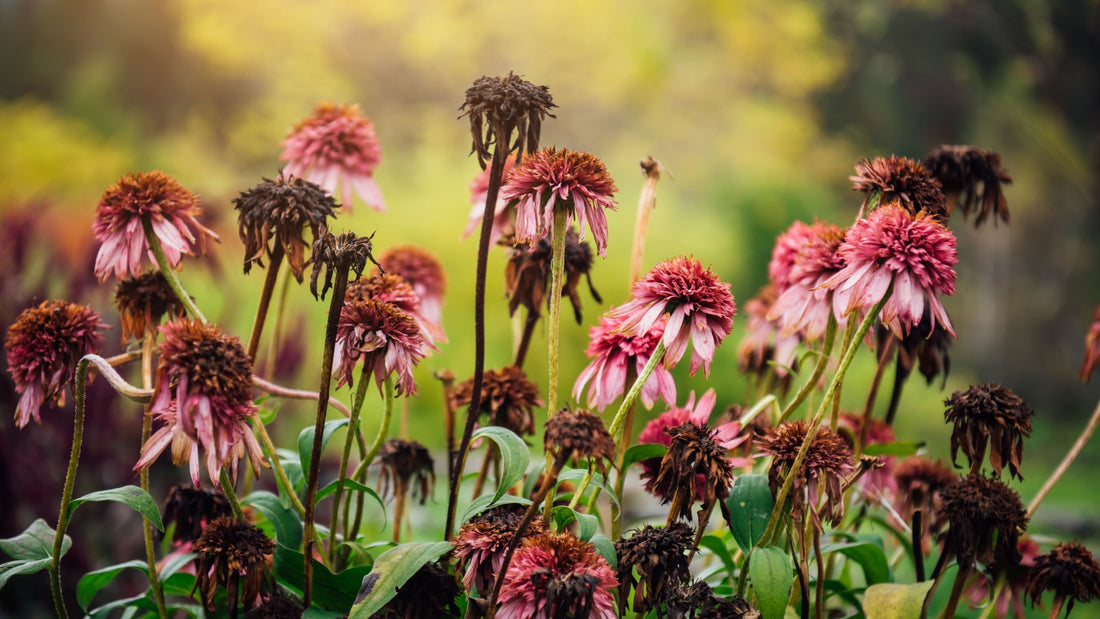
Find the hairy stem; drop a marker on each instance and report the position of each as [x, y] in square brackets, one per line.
[869, 408]
[557, 281]
[265, 302]
[349, 438]
[230, 494]
[819, 371]
[168, 271]
[148, 343]
[647, 201]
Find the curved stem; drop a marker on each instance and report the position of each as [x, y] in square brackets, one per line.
[230, 494]
[620, 477]
[819, 371]
[349, 438]
[1070, 456]
[277, 465]
[383, 428]
[956, 591]
[168, 271]
[869, 408]
[587, 479]
[297, 394]
[635, 390]
[265, 301]
[148, 343]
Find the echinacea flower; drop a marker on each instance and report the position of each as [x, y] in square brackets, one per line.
[234, 555]
[658, 555]
[429, 592]
[992, 416]
[920, 484]
[192, 509]
[403, 462]
[786, 249]
[337, 145]
[421, 270]
[700, 309]
[527, 275]
[551, 179]
[332, 254]
[764, 350]
[985, 520]
[143, 301]
[387, 339]
[1092, 347]
[481, 543]
[579, 435]
[901, 182]
[802, 307]
[502, 213]
[891, 246]
[961, 170]
[614, 354]
[698, 601]
[171, 210]
[827, 465]
[44, 346]
[393, 289]
[204, 396]
[499, 107]
[1070, 572]
[282, 210]
[557, 575]
[508, 399]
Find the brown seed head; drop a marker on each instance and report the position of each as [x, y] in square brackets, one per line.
[501, 106]
[658, 557]
[278, 605]
[191, 509]
[508, 399]
[985, 520]
[579, 435]
[143, 301]
[430, 592]
[334, 253]
[1070, 571]
[901, 181]
[920, 483]
[527, 275]
[282, 209]
[235, 555]
[828, 462]
[962, 170]
[401, 461]
[989, 415]
[215, 364]
[695, 465]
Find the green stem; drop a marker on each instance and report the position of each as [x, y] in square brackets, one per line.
[146, 429]
[587, 479]
[277, 465]
[349, 438]
[1070, 456]
[619, 421]
[383, 429]
[819, 370]
[230, 494]
[620, 477]
[168, 271]
[557, 280]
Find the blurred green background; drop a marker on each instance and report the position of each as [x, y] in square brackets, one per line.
[758, 110]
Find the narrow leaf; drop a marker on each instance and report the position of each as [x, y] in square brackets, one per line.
[392, 569]
[132, 496]
[305, 440]
[93, 581]
[514, 456]
[718, 547]
[750, 503]
[597, 481]
[21, 566]
[606, 548]
[351, 484]
[900, 448]
[772, 574]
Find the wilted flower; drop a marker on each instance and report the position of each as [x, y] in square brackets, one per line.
[481, 543]
[614, 354]
[171, 210]
[555, 575]
[337, 145]
[331, 254]
[527, 275]
[1070, 571]
[764, 349]
[700, 309]
[659, 557]
[192, 509]
[204, 396]
[698, 601]
[550, 179]
[282, 209]
[387, 340]
[393, 289]
[1016, 578]
[900, 182]
[234, 555]
[277, 605]
[44, 346]
[402, 461]
[430, 592]
[508, 399]
[579, 435]
[502, 214]
[143, 300]
[828, 463]
[1092, 347]
[501, 106]
[803, 307]
[421, 270]
[890, 246]
[985, 520]
[961, 169]
[920, 485]
[989, 415]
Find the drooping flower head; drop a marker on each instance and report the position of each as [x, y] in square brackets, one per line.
[802, 306]
[481, 543]
[558, 576]
[44, 346]
[527, 275]
[579, 435]
[700, 309]
[658, 556]
[404, 462]
[204, 397]
[387, 339]
[962, 170]
[331, 254]
[508, 399]
[503, 215]
[828, 463]
[277, 605]
[421, 270]
[499, 107]
[913, 252]
[1070, 571]
[992, 416]
[901, 182]
[698, 601]
[786, 249]
[1092, 347]
[192, 509]
[429, 592]
[232, 554]
[143, 301]
[614, 354]
[171, 210]
[551, 179]
[985, 520]
[764, 351]
[337, 145]
[393, 289]
[282, 210]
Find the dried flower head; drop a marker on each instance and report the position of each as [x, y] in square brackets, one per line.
[420, 269]
[482, 542]
[278, 605]
[143, 301]
[961, 170]
[1070, 571]
[914, 253]
[387, 339]
[430, 592]
[764, 351]
[920, 483]
[404, 462]
[234, 555]
[337, 145]
[527, 275]
[989, 415]
[192, 509]
[700, 309]
[828, 463]
[551, 179]
[331, 254]
[698, 601]
[171, 210]
[658, 556]
[557, 576]
[985, 520]
[501, 106]
[901, 182]
[1092, 347]
[614, 355]
[393, 289]
[204, 396]
[803, 307]
[508, 399]
[282, 209]
[696, 466]
[44, 346]
[579, 435]
[924, 347]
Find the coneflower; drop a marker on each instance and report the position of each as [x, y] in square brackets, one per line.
[827, 465]
[481, 543]
[989, 416]
[1070, 572]
[614, 353]
[422, 270]
[658, 555]
[901, 182]
[234, 555]
[963, 170]
[508, 399]
[143, 301]
[558, 576]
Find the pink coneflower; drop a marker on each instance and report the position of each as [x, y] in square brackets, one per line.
[803, 307]
[763, 342]
[557, 575]
[613, 353]
[337, 145]
[395, 290]
[481, 543]
[204, 396]
[899, 181]
[44, 346]
[827, 464]
[914, 252]
[502, 215]
[551, 178]
[171, 209]
[386, 338]
[700, 309]
[1092, 347]
[421, 270]
[787, 247]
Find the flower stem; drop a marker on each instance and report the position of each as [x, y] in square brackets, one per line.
[620, 477]
[868, 409]
[168, 271]
[383, 428]
[349, 438]
[553, 328]
[277, 465]
[265, 301]
[819, 370]
[646, 203]
[230, 494]
[148, 343]
[1070, 456]
[956, 591]
[619, 421]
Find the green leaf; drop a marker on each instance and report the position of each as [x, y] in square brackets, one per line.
[901, 448]
[32, 550]
[514, 456]
[136, 498]
[643, 451]
[485, 501]
[21, 566]
[351, 484]
[597, 481]
[715, 544]
[391, 570]
[288, 528]
[606, 548]
[586, 523]
[330, 591]
[93, 581]
[887, 601]
[750, 503]
[772, 574]
[868, 555]
[305, 439]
